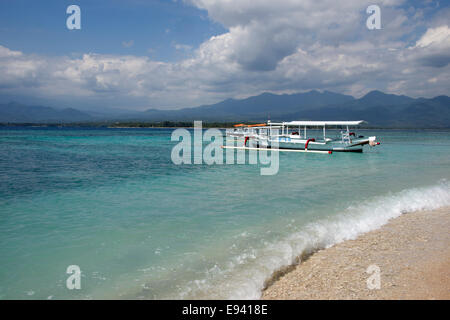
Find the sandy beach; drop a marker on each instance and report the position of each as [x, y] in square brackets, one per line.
[411, 252]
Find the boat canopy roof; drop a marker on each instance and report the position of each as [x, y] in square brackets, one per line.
[250, 125]
[320, 123]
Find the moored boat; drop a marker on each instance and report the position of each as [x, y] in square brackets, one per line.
[304, 135]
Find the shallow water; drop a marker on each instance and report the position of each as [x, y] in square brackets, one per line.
[112, 202]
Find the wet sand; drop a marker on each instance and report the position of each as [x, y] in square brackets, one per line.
[412, 253]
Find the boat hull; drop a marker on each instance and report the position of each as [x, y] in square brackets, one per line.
[335, 146]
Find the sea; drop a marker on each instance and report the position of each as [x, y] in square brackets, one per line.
[111, 203]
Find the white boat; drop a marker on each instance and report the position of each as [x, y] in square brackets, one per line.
[304, 135]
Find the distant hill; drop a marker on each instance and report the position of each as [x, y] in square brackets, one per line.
[266, 105]
[376, 107]
[399, 111]
[15, 112]
[377, 99]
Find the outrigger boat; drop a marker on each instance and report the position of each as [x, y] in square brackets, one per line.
[295, 136]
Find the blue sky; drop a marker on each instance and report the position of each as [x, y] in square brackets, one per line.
[170, 54]
[152, 27]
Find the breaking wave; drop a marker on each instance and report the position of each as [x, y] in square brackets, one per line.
[246, 274]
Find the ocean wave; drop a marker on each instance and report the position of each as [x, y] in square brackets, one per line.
[246, 274]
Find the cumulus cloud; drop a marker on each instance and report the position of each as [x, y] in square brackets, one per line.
[5, 52]
[435, 36]
[262, 33]
[433, 48]
[278, 46]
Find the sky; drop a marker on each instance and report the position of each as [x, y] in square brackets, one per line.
[169, 54]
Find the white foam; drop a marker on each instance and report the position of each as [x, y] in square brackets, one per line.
[245, 277]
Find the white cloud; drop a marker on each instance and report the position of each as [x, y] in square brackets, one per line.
[278, 46]
[433, 48]
[435, 36]
[5, 52]
[262, 33]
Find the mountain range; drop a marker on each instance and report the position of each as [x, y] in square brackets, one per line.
[376, 107]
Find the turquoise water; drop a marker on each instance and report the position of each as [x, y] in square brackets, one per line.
[138, 226]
